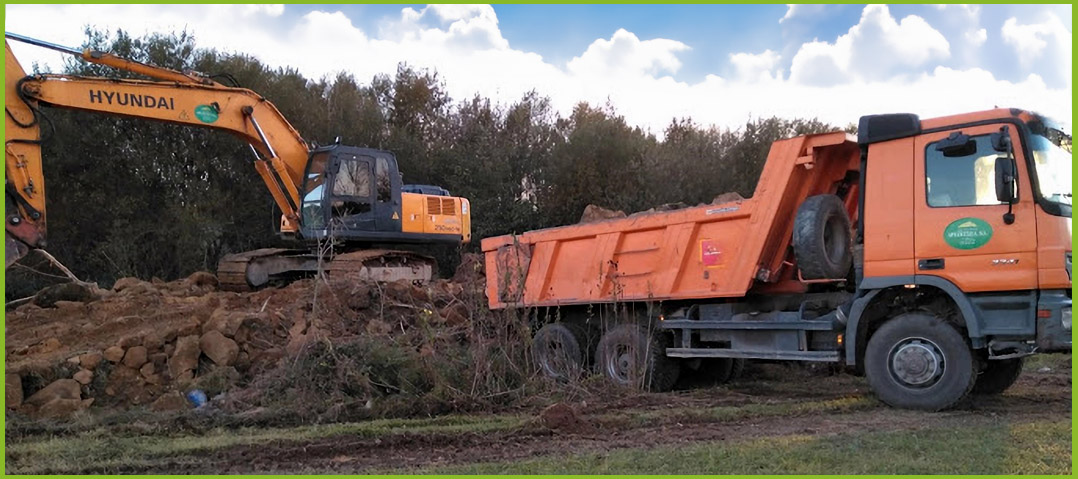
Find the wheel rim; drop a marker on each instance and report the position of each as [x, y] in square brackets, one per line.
[555, 361]
[916, 363]
[619, 365]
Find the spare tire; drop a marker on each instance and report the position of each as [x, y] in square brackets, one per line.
[821, 238]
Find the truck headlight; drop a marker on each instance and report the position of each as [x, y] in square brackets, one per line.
[1066, 318]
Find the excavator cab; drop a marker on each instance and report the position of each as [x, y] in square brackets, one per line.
[352, 194]
[355, 195]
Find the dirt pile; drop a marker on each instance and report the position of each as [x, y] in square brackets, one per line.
[148, 343]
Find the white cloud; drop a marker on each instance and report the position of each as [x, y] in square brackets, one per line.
[759, 67]
[799, 10]
[1030, 41]
[625, 54]
[880, 65]
[1043, 47]
[877, 48]
[976, 38]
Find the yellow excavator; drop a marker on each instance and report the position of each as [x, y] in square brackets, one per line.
[349, 197]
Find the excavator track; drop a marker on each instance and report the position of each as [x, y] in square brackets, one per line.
[256, 269]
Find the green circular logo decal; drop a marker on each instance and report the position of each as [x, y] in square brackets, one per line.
[206, 113]
[967, 233]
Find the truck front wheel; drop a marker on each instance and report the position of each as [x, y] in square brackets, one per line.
[628, 355]
[919, 361]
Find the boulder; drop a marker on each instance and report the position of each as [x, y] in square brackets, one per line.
[129, 341]
[90, 360]
[84, 376]
[127, 384]
[728, 197]
[113, 354]
[135, 357]
[147, 370]
[220, 349]
[58, 389]
[125, 283]
[171, 401]
[185, 356]
[60, 408]
[225, 321]
[12, 390]
[593, 213]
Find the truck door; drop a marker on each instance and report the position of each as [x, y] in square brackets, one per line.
[960, 233]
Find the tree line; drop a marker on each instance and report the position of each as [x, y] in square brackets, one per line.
[130, 197]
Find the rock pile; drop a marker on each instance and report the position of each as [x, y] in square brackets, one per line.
[147, 342]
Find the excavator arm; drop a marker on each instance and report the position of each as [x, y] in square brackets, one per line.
[281, 154]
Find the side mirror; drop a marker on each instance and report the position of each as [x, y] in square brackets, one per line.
[1005, 180]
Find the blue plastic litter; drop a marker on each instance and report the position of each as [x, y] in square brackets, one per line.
[197, 397]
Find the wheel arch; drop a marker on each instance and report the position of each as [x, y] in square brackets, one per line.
[888, 295]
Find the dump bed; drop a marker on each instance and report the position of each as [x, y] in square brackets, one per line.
[718, 250]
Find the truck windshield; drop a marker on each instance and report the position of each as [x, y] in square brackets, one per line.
[1052, 160]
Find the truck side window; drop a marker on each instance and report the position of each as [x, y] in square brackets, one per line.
[381, 175]
[964, 179]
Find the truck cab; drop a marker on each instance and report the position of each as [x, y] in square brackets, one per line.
[988, 197]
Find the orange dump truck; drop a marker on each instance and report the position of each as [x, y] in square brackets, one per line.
[930, 255]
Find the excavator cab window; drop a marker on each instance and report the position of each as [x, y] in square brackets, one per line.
[385, 187]
[352, 187]
[314, 191]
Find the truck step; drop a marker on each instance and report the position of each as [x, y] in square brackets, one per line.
[823, 356]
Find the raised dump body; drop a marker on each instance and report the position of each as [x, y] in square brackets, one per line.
[713, 251]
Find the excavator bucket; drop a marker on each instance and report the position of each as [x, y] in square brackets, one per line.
[13, 250]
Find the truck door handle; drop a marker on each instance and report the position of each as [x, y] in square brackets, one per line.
[926, 264]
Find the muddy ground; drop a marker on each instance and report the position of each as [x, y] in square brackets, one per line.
[304, 378]
[771, 401]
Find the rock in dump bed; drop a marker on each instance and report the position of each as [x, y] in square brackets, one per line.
[595, 213]
[144, 343]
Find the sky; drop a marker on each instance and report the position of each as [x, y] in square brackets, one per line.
[717, 64]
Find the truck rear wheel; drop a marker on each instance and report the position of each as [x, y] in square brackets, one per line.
[628, 355]
[557, 349]
[919, 361]
[821, 238]
[997, 376]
